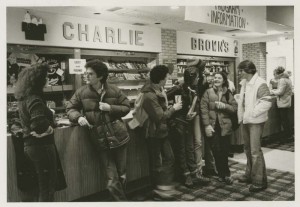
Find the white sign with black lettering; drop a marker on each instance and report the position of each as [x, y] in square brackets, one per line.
[76, 66]
[209, 45]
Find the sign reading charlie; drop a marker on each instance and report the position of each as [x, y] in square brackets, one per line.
[249, 18]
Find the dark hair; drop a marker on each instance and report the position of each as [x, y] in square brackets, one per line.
[279, 70]
[248, 66]
[158, 73]
[225, 79]
[99, 67]
[31, 81]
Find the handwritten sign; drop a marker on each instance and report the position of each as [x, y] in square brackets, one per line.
[76, 66]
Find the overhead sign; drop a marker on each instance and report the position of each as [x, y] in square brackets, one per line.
[76, 66]
[71, 31]
[248, 18]
[202, 44]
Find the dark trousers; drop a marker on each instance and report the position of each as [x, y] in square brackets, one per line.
[220, 146]
[185, 149]
[161, 161]
[114, 161]
[44, 159]
[284, 114]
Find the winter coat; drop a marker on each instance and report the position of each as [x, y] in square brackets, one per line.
[254, 109]
[284, 91]
[155, 105]
[86, 98]
[210, 114]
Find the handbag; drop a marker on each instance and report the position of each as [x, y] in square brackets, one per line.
[109, 135]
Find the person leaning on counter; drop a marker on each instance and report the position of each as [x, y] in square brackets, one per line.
[99, 99]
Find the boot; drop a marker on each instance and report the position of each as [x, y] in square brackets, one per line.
[197, 178]
[188, 182]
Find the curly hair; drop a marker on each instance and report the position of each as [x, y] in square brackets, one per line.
[158, 73]
[225, 79]
[99, 68]
[31, 81]
[279, 70]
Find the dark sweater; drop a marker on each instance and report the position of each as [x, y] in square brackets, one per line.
[34, 115]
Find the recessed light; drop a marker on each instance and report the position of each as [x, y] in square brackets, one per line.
[157, 23]
[174, 7]
[97, 13]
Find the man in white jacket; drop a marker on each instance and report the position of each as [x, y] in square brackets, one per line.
[253, 106]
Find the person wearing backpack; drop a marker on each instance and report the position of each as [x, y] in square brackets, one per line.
[155, 104]
[215, 113]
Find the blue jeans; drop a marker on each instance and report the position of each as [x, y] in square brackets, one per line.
[44, 159]
[198, 143]
[184, 138]
[161, 161]
[114, 161]
[256, 167]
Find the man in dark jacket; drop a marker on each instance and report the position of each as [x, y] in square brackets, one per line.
[99, 99]
[186, 126]
[161, 155]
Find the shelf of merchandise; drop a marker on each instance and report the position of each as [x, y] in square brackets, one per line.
[59, 88]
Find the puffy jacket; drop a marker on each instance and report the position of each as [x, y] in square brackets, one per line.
[87, 99]
[257, 101]
[210, 114]
[284, 91]
[155, 106]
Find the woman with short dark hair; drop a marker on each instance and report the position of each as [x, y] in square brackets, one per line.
[216, 106]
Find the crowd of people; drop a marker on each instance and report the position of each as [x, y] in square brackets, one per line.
[187, 124]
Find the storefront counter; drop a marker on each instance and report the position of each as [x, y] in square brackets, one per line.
[272, 126]
[82, 169]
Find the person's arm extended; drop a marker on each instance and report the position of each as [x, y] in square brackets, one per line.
[154, 110]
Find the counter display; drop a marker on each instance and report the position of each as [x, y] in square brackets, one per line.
[82, 169]
[83, 172]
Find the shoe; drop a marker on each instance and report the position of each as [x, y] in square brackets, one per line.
[243, 179]
[188, 182]
[210, 172]
[254, 188]
[227, 180]
[164, 195]
[197, 178]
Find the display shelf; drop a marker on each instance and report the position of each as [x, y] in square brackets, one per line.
[126, 81]
[11, 90]
[146, 70]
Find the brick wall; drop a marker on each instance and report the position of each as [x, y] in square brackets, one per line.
[256, 52]
[168, 53]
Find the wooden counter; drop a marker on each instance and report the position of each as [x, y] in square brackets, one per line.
[272, 126]
[85, 175]
[83, 172]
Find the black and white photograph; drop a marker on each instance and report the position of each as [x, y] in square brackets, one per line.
[164, 103]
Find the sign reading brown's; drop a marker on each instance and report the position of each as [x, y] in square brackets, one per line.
[209, 45]
[202, 44]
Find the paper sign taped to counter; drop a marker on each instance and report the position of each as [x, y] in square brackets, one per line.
[76, 66]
